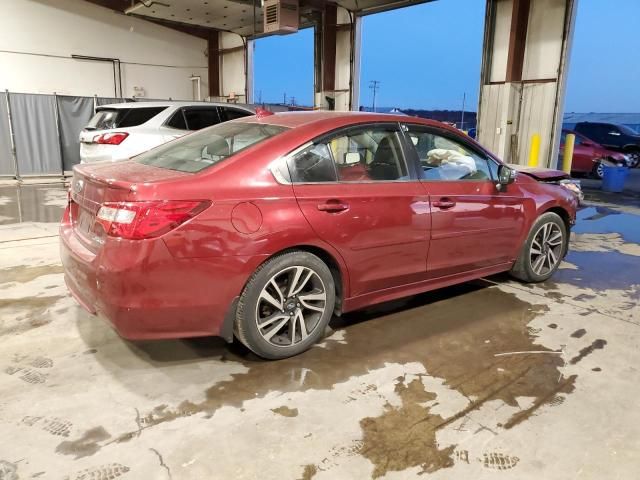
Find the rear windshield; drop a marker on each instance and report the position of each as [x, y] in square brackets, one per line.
[108, 118]
[207, 147]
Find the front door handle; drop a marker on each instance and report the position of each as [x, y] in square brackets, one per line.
[444, 203]
[333, 206]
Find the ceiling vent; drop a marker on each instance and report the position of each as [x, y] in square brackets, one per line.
[280, 16]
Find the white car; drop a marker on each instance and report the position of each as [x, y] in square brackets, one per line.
[122, 130]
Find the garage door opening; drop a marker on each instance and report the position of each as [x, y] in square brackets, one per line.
[424, 59]
[283, 69]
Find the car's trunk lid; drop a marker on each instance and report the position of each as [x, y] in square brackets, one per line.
[95, 184]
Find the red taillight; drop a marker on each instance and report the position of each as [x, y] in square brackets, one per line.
[110, 138]
[140, 220]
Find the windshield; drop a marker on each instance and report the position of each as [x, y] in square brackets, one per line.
[109, 118]
[209, 146]
[627, 130]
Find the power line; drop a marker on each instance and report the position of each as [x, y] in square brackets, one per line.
[375, 86]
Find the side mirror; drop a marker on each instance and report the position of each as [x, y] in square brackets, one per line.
[506, 176]
[586, 143]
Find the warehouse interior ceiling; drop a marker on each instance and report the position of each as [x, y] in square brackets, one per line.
[243, 17]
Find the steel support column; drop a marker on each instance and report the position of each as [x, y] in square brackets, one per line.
[524, 69]
[337, 50]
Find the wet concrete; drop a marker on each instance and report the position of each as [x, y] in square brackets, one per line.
[32, 203]
[490, 378]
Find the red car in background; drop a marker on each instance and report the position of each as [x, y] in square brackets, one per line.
[588, 155]
[264, 227]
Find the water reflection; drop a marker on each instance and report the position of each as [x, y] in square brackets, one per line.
[32, 203]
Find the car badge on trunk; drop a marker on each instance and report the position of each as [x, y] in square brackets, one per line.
[78, 186]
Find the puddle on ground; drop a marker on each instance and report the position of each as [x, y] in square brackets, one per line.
[32, 203]
[24, 274]
[608, 220]
[410, 427]
[87, 444]
[455, 333]
[599, 271]
[22, 314]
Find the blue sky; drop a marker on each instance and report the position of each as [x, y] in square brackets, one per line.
[435, 52]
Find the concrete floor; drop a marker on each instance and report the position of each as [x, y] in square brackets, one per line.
[436, 384]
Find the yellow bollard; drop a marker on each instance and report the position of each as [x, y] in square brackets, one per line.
[567, 156]
[534, 153]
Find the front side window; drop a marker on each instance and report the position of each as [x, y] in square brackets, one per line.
[357, 155]
[444, 159]
[203, 149]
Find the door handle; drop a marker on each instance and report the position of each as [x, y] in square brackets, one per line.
[333, 206]
[444, 203]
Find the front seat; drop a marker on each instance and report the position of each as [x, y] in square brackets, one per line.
[384, 165]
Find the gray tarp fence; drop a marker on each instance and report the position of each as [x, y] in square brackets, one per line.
[74, 114]
[36, 134]
[6, 159]
[46, 143]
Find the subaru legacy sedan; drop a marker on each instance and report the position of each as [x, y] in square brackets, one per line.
[262, 228]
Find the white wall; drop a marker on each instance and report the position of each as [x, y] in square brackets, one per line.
[232, 66]
[42, 34]
[500, 43]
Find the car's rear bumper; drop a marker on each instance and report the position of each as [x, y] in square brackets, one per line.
[146, 293]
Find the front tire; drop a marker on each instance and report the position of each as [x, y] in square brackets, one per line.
[286, 305]
[634, 158]
[598, 170]
[543, 250]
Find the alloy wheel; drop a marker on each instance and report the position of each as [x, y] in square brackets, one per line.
[634, 159]
[600, 170]
[545, 252]
[290, 306]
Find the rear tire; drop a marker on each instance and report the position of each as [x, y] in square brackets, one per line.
[286, 305]
[543, 251]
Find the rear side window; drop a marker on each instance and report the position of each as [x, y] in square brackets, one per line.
[313, 165]
[198, 118]
[195, 152]
[108, 118]
[366, 154]
[177, 121]
[233, 113]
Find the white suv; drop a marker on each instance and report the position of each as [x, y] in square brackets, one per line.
[122, 130]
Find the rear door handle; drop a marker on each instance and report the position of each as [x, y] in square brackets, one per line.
[333, 206]
[444, 203]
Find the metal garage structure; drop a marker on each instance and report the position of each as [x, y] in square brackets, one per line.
[525, 52]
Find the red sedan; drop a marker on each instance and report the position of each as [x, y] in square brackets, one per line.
[264, 227]
[588, 155]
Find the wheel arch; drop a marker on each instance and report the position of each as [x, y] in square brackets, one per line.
[334, 263]
[562, 213]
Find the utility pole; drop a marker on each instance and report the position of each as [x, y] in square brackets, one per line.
[375, 86]
[284, 98]
[464, 98]
[259, 96]
[293, 101]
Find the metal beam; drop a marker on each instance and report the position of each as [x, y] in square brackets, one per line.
[517, 39]
[213, 49]
[328, 59]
